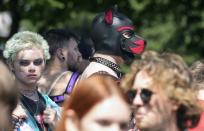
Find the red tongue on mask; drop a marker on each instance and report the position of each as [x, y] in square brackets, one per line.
[139, 48]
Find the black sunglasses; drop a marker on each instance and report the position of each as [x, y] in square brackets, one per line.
[145, 95]
[36, 62]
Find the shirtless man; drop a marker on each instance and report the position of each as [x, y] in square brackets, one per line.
[58, 78]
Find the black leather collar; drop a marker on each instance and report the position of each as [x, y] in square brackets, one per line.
[107, 63]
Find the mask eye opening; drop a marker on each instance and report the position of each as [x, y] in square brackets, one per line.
[127, 34]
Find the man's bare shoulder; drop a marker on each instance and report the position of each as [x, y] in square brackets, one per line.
[45, 83]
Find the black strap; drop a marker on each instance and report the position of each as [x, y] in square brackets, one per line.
[57, 98]
[103, 61]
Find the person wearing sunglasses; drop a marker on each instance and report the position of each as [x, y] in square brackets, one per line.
[161, 92]
[26, 53]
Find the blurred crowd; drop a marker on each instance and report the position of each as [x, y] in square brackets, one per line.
[56, 81]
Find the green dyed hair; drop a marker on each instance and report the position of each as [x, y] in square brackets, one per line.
[23, 40]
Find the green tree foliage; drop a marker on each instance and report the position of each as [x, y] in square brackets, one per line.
[174, 26]
[168, 25]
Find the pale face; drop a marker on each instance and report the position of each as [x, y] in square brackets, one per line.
[28, 65]
[73, 55]
[156, 112]
[112, 114]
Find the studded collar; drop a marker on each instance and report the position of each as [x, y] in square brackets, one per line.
[103, 61]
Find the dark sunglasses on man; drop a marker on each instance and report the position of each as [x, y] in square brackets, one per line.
[145, 95]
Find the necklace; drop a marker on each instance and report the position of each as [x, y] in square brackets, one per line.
[35, 108]
[30, 104]
[31, 94]
[107, 63]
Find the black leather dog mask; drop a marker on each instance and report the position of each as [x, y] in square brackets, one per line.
[113, 34]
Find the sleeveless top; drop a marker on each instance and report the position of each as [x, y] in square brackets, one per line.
[68, 90]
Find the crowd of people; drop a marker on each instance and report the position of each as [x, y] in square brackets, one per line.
[47, 85]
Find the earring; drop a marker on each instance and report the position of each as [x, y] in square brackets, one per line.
[63, 58]
[12, 70]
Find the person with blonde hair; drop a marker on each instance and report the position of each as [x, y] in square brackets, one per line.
[197, 70]
[96, 104]
[26, 53]
[161, 91]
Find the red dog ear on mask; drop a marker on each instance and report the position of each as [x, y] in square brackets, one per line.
[108, 18]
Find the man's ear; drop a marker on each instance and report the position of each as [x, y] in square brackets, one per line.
[60, 54]
[72, 121]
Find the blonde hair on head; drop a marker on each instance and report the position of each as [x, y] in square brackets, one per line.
[171, 76]
[197, 71]
[23, 40]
